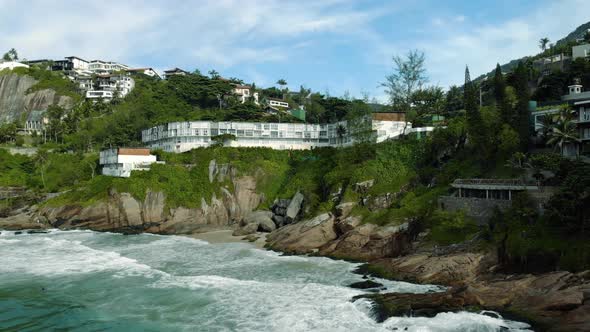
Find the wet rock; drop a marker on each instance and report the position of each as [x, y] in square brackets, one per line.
[367, 284]
[304, 236]
[246, 230]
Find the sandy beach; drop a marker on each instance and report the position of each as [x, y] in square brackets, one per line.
[225, 236]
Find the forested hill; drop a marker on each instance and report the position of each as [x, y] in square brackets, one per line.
[561, 46]
[87, 125]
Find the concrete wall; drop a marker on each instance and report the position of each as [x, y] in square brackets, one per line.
[479, 209]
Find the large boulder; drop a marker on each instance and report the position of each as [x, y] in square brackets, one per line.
[368, 241]
[246, 230]
[294, 207]
[305, 236]
[267, 225]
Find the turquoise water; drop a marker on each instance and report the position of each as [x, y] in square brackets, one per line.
[87, 281]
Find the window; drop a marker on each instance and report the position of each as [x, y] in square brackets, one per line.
[274, 134]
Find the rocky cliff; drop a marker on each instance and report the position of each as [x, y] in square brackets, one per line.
[17, 102]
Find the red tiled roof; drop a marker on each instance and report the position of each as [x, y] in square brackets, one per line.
[134, 151]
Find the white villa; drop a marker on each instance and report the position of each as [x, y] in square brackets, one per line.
[99, 66]
[243, 92]
[108, 86]
[184, 136]
[122, 161]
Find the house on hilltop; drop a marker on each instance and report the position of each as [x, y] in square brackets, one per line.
[121, 162]
[175, 72]
[146, 71]
[581, 51]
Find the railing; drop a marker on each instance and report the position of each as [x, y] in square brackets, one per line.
[497, 182]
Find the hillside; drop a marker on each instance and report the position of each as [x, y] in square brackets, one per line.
[563, 43]
[23, 91]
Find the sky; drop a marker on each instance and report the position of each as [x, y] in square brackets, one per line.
[330, 46]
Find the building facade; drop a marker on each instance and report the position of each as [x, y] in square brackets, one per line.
[184, 136]
[175, 72]
[581, 51]
[146, 71]
[122, 161]
[244, 92]
[99, 66]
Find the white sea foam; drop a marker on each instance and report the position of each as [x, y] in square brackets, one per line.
[223, 287]
[45, 256]
[461, 321]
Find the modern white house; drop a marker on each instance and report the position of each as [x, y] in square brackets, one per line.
[99, 66]
[10, 65]
[107, 86]
[184, 136]
[243, 92]
[146, 71]
[175, 72]
[275, 102]
[581, 51]
[121, 162]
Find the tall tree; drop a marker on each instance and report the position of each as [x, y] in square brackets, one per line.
[282, 83]
[522, 119]
[562, 130]
[454, 100]
[214, 74]
[543, 42]
[475, 130]
[500, 96]
[409, 75]
[11, 55]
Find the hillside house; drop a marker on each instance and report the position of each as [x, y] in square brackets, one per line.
[478, 198]
[581, 51]
[548, 65]
[275, 102]
[184, 136]
[146, 71]
[121, 162]
[579, 101]
[175, 72]
[244, 92]
[71, 63]
[106, 67]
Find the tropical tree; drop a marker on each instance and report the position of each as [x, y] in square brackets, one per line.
[543, 42]
[522, 118]
[11, 55]
[475, 125]
[409, 75]
[500, 96]
[214, 74]
[563, 130]
[282, 83]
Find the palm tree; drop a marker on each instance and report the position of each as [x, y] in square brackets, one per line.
[563, 130]
[214, 74]
[282, 83]
[543, 42]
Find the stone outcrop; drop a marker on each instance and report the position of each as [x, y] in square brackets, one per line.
[17, 102]
[305, 236]
[121, 212]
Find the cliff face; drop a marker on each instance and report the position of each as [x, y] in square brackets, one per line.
[16, 104]
[121, 212]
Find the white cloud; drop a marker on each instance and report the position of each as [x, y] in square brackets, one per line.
[200, 33]
[482, 46]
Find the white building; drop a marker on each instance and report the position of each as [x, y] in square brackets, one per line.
[175, 72]
[108, 86]
[581, 51]
[243, 92]
[99, 66]
[10, 65]
[275, 102]
[122, 161]
[97, 94]
[146, 71]
[184, 136]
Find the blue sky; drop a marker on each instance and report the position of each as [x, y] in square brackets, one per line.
[326, 45]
